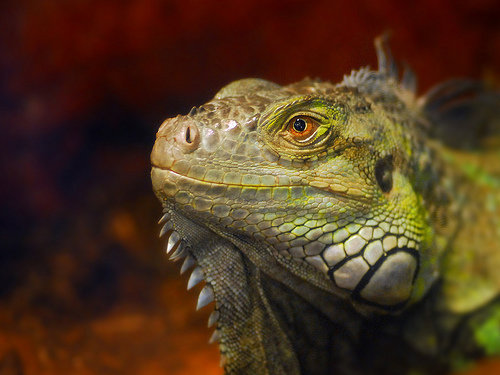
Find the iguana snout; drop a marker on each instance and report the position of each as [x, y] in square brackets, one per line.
[176, 136]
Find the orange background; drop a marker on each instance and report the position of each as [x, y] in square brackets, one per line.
[84, 84]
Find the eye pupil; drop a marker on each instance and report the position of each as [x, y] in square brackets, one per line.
[299, 125]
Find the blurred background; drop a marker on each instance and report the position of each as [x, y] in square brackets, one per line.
[84, 84]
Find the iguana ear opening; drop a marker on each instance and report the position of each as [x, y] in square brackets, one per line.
[463, 114]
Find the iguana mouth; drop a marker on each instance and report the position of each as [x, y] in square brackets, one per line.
[275, 184]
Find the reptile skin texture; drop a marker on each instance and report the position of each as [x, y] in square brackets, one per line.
[346, 228]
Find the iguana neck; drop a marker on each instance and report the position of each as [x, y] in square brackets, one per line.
[471, 262]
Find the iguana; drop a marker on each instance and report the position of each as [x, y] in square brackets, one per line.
[347, 228]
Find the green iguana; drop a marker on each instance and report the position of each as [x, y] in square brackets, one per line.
[347, 228]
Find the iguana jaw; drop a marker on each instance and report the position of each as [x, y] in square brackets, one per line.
[399, 265]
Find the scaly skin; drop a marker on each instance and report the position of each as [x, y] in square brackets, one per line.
[332, 227]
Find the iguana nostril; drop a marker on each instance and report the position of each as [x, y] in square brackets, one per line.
[188, 136]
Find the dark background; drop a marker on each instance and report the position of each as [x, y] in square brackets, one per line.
[84, 285]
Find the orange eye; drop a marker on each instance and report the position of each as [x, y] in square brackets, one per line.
[301, 128]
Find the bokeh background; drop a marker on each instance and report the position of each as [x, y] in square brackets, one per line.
[84, 84]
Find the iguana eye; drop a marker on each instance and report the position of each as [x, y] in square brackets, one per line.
[302, 128]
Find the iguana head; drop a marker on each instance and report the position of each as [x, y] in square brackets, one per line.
[323, 176]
